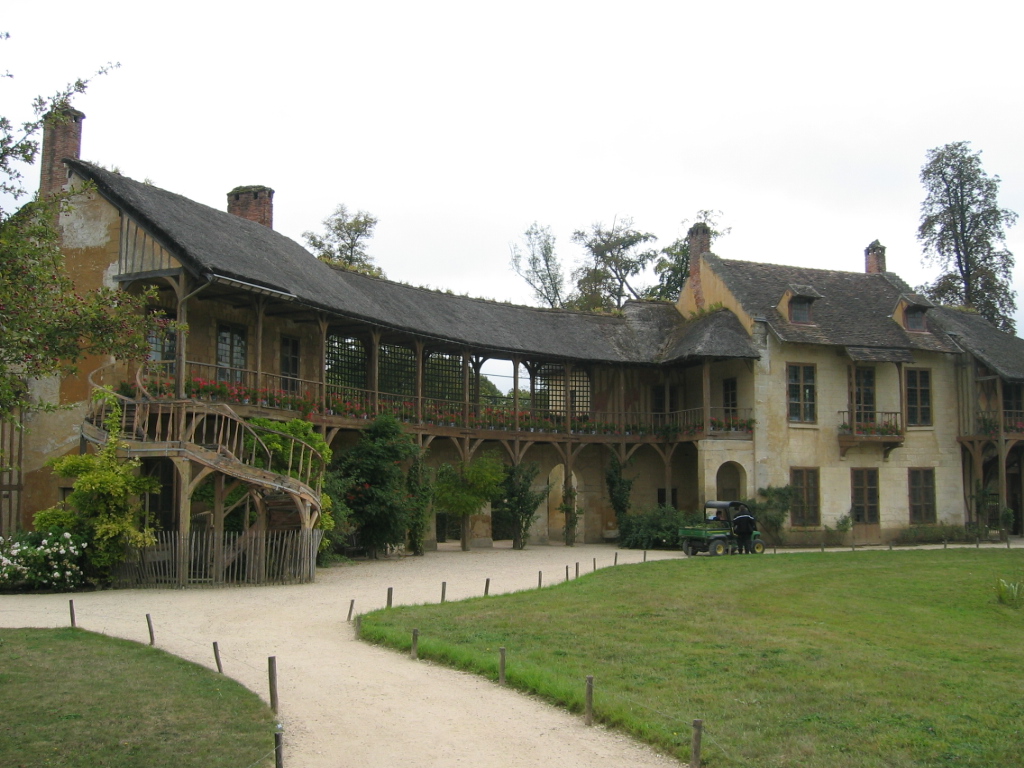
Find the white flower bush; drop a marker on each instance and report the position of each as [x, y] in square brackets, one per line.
[42, 561]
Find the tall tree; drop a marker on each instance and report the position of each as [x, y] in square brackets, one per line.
[521, 500]
[46, 327]
[673, 263]
[371, 472]
[344, 240]
[962, 231]
[615, 258]
[535, 261]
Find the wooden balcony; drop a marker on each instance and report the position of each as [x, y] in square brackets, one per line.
[991, 423]
[884, 428]
[259, 394]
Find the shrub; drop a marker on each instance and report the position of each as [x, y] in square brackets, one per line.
[657, 528]
[43, 560]
[935, 534]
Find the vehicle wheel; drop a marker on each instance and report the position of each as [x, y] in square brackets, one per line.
[717, 547]
[757, 547]
[686, 548]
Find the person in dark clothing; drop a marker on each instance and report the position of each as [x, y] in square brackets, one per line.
[743, 525]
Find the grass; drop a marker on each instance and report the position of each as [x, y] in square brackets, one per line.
[76, 699]
[863, 659]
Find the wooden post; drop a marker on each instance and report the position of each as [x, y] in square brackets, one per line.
[645, 555]
[414, 652]
[595, 563]
[540, 578]
[272, 672]
[149, 622]
[216, 657]
[566, 571]
[616, 562]
[698, 726]
[71, 605]
[501, 665]
[589, 719]
[487, 587]
[943, 543]
[577, 570]
[351, 607]
[391, 592]
[444, 587]
[278, 748]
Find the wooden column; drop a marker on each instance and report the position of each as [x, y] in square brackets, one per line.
[219, 494]
[706, 394]
[321, 320]
[515, 393]
[183, 476]
[465, 389]
[261, 314]
[418, 351]
[568, 398]
[373, 370]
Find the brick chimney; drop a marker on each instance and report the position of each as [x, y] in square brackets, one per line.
[255, 203]
[698, 241]
[62, 137]
[874, 258]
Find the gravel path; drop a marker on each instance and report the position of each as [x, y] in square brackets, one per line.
[346, 703]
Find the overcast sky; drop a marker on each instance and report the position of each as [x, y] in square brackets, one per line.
[460, 123]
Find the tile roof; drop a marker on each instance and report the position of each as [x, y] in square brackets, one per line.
[855, 308]
[1002, 352]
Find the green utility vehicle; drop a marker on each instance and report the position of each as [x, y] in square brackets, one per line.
[715, 534]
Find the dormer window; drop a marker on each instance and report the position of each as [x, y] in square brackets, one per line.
[800, 310]
[796, 304]
[913, 318]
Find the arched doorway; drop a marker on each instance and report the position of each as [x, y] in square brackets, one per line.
[731, 482]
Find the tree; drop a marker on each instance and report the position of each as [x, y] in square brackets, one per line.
[343, 243]
[615, 257]
[462, 489]
[619, 488]
[673, 265]
[376, 485]
[538, 265]
[962, 230]
[521, 501]
[46, 328]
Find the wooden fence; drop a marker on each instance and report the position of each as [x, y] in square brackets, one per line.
[230, 559]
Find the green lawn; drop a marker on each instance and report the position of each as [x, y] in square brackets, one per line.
[814, 660]
[74, 698]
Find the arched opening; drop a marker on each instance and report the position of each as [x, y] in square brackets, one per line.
[731, 482]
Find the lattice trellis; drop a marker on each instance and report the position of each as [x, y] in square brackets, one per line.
[347, 362]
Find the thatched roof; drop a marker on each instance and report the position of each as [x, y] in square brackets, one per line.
[212, 243]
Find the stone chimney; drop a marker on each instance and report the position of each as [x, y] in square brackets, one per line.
[255, 203]
[874, 258]
[62, 137]
[698, 240]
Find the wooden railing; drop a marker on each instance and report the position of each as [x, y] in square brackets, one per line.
[987, 422]
[211, 425]
[235, 386]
